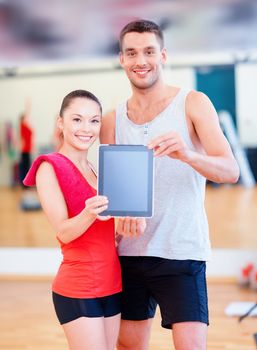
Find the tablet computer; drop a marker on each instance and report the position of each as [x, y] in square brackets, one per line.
[125, 177]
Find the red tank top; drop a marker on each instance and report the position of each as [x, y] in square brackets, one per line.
[90, 266]
[26, 138]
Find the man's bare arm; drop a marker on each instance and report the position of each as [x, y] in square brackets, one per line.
[218, 164]
[216, 161]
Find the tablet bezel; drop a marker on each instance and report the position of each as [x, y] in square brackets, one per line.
[103, 148]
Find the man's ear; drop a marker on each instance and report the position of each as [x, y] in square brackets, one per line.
[121, 58]
[164, 55]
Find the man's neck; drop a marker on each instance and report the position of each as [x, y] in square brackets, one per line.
[146, 97]
[149, 103]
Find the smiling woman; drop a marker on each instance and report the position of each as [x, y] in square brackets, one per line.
[86, 289]
[80, 123]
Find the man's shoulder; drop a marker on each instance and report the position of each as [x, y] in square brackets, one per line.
[194, 96]
[190, 93]
[109, 117]
[198, 105]
[110, 114]
[107, 131]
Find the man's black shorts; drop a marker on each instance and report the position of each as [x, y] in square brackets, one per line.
[177, 286]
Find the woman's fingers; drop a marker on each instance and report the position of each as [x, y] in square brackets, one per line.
[96, 205]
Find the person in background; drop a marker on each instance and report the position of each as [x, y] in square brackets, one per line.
[166, 265]
[26, 135]
[86, 289]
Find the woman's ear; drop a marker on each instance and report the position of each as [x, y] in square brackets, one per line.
[59, 123]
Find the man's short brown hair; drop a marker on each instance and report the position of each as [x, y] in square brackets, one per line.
[142, 26]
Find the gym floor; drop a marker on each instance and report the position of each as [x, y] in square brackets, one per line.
[27, 317]
[28, 320]
[231, 211]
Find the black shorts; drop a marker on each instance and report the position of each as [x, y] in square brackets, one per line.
[25, 163]
[69, 309]
[177, 286]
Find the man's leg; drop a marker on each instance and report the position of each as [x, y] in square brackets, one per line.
[134, 335]
[179, 287]
[190, 336]
[112, 326]
[137, 305]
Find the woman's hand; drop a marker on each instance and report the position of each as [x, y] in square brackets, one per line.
[131, 227]
[96, 205]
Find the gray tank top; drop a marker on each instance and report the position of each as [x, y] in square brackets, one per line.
[179, 228]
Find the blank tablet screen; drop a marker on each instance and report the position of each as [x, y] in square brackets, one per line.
[125, 176]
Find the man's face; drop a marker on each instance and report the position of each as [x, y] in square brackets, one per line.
[142, 59]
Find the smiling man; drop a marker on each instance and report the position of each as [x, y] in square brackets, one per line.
[166, 265]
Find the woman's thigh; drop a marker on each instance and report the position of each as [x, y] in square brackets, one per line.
[112, 327]
[86, 333]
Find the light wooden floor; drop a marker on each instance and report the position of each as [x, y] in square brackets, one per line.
[20, 228]
[28, 321]
[231, 210]
[232, 216]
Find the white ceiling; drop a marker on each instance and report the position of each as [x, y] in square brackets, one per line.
[66, 30]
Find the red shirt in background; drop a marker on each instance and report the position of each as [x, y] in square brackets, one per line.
[26, 137]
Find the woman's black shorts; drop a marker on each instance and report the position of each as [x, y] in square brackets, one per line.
[69, 309]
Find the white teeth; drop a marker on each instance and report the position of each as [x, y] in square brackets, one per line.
[141, 72]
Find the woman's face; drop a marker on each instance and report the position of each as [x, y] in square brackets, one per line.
[80, 123]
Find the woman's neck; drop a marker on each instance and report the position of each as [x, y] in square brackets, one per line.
[78, 157]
